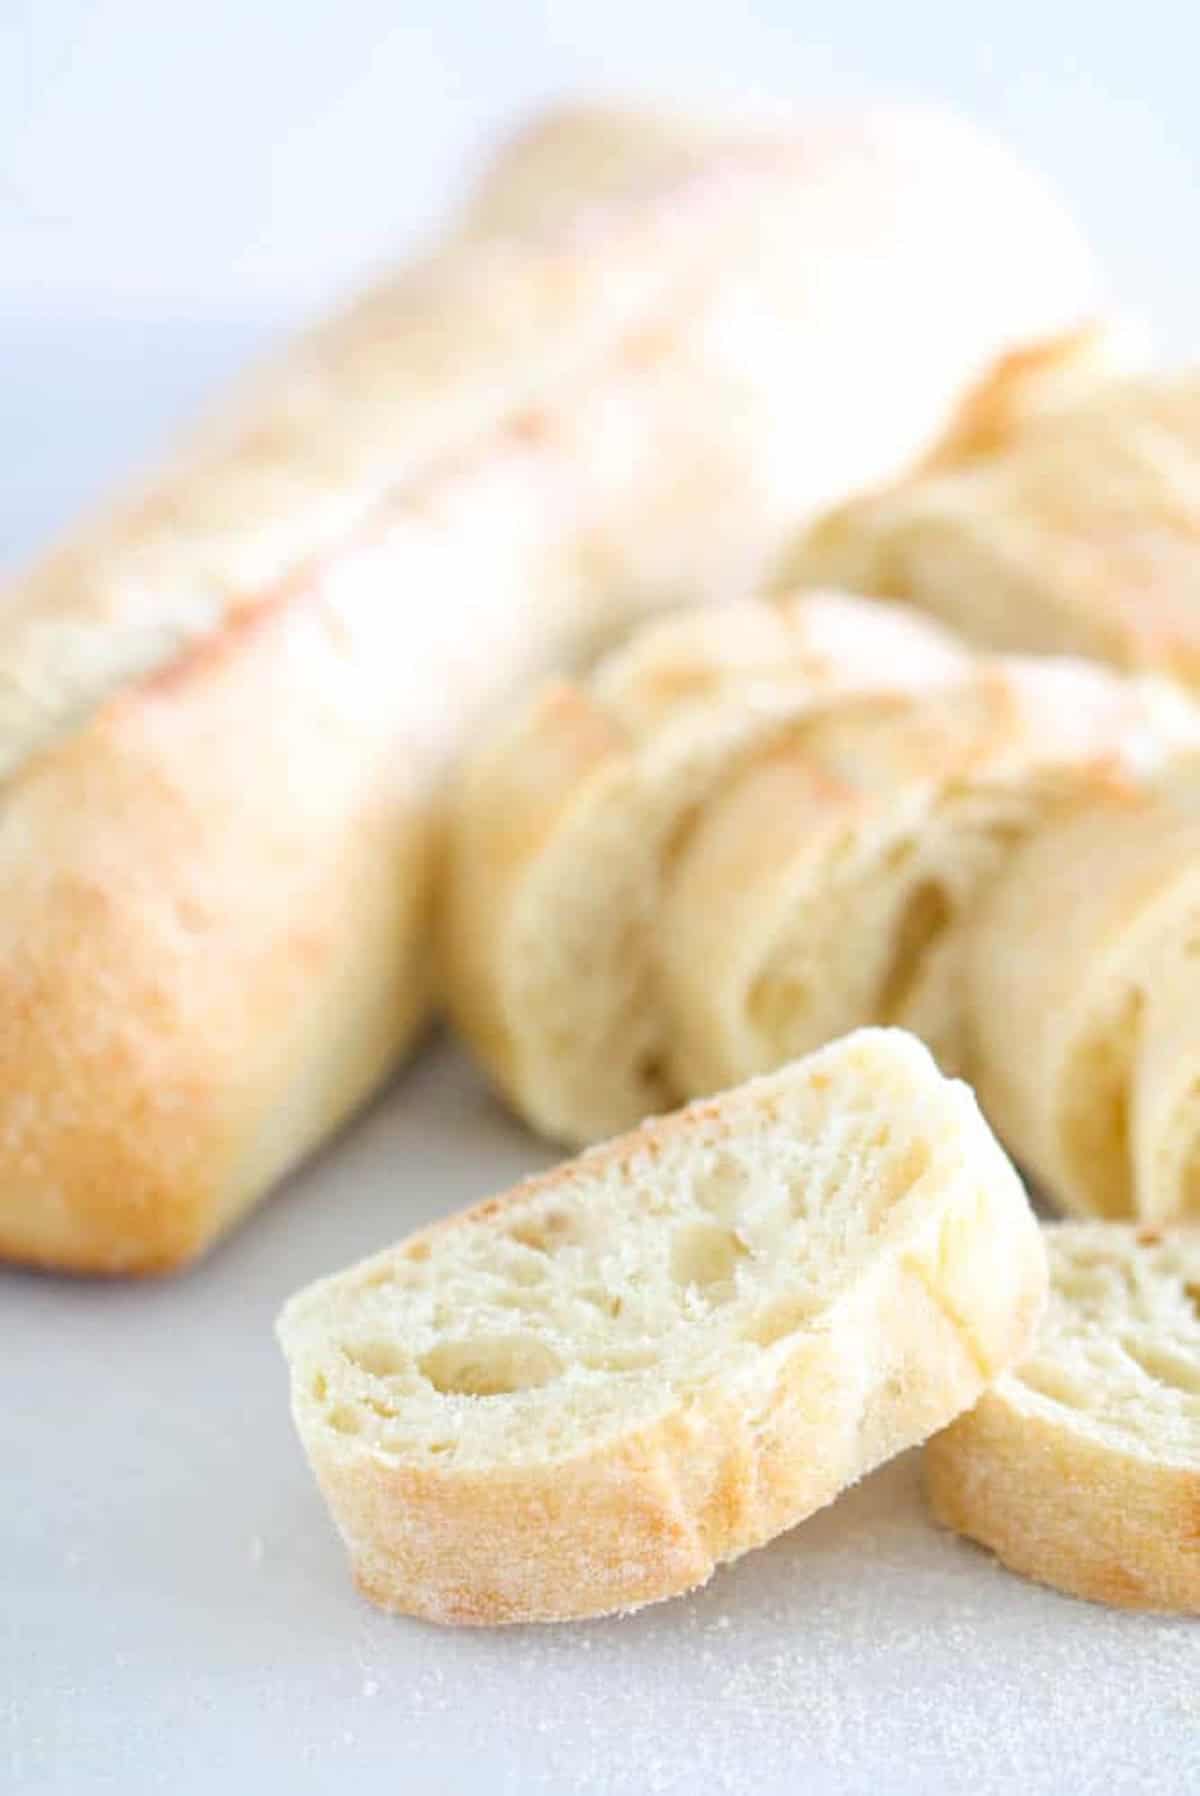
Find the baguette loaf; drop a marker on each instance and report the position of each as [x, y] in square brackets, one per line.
[586, 1394]
[1082, 1467]
[1078, 534]
[226, 704]
[689, 869]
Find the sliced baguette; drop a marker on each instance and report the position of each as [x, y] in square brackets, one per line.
[745, 834]
[562, 833]
[584, 1395]
[1079, 534]
[1082, 1468]
[829, 882]
[1082, 978]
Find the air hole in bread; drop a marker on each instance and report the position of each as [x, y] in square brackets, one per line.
[798, 1196]
[895, 1174]
[382, 1359]
[320, 1387]
[778, 1320]
[720, 1188]
[608, 1301]
[547, 1232]
[490, 1368]
[900, 854]
[528, 1302]
[344, 1420]
[1192, 1293]
[526, 1272]
[900, 1172]
[925, 916]
[704, 1255]
[621, 1359]
[383, 1275]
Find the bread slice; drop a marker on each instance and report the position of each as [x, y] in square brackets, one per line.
[1082, 1468]
[563, 829]
[827, 882]
[584, 1395]
[1084, 988]
[1080, 534]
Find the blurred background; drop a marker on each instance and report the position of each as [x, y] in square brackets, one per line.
[178, 182]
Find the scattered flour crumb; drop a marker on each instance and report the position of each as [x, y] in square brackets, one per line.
[257, 1549]
[370, 1687]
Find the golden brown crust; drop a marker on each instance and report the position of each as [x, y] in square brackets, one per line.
[1067, 1511]
[1032, 382]
[181, 1022]
[1081, 1468]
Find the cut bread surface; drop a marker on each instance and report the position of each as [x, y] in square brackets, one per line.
[1082, 1467]
[584, 1395]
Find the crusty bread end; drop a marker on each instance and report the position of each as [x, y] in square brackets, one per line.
[1082, 1468]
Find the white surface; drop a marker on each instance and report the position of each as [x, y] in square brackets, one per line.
[177, 1615]
[252, 155]
[174, 1609]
